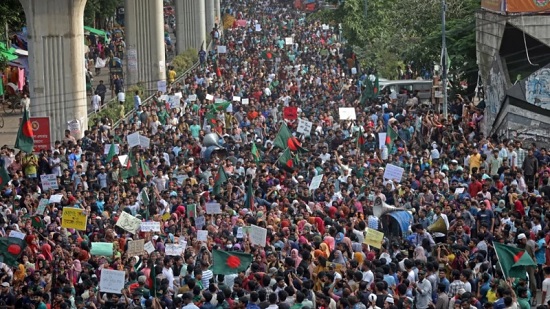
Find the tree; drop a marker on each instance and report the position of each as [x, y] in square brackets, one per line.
[97, 12]
[12, 15]
[399, 32]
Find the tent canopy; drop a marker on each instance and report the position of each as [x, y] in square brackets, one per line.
[96, 31]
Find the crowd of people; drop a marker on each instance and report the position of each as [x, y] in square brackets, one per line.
[477, 190]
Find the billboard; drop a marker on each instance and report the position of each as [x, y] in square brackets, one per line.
[517, 6]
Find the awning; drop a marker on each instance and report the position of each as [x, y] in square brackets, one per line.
[7, 53]
[96, 31]
[404, 218]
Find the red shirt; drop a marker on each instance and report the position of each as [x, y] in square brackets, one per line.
[474, 188]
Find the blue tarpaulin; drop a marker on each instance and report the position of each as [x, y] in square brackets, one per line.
[403, 218]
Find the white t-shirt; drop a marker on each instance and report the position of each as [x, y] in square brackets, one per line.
[121, 96]
[546, 288]
[368, 276]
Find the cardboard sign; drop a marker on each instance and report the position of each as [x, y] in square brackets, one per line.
[74, 218]
[373, 238]
[222, 49]
[173, 101]
[17, 234]
[135, 247]
[107, 148]
[112, 281]
[202, 235]
[49, 182]
[149, 247]
[393, 172]
[209, 97]
[304, 127]
[347, 113]
[56, 198]
[381, 139]
[316, 182]
[290, 113]
[128, 222]
[258, 236]
[258, 27]
[200, 222]
[245, 101]
[133, 139]
[161, 86]
[192, 98]
[213, 208]
[150, 226]
[41, 133]
[42, 206]
[173, 249]
[236, 99]
[102, 249]
[289, 41]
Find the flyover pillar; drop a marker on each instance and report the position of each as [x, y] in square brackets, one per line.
[190, 24]
[145, 58]
[218, 15]
[56, 60]
[210, 15]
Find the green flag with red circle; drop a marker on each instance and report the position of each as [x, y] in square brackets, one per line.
[11, 249]
[227, 263]
[25, 135]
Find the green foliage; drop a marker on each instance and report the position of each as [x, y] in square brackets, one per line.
[185, 60]
[11, 12]
[96, 12]
[397, 32]
[113, 108]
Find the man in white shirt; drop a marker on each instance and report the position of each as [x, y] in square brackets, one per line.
[96, 102]
[168, 273]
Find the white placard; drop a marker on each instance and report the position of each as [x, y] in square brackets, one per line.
[173, 101]
[258, 27]
[112, 281]
[123, 159]
[150, 226]
[135, 247]
[347, 113]
[133, 139]
[144, 142]
[173, 249]
[325, 27]
[209, 97]
[289, 41]
[258, 236]
[161, 86]
[236, 99]
[459, 190]
[304, 127]
[382, 139]
[49, 182]
[107, 147]
[17, 234]
[128, 222]
[166, 158]
[245, 101]
[149, 247]
[200, 221]
[353, 70]
[183, 243]
[393, 172]
[222, 49]
[213, 208]
[193, 98]
[240, 233]
[202, 235]
[316, 182]
[56, 198]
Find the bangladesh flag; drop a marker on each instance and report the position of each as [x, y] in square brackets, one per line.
[11, 249]
[211, 118]
[131, 167]
[513, 261]
[249, 202]
[4, 178]
[25, 135]
[221, 178]
[111, 153]
[220, 106]
[37, 222]
[227, 263]
[286, 161]
[144, 197]
[391, 136]
[255, 153]
[281, 141]
[360, 139]
[376, 86]
[145, 169]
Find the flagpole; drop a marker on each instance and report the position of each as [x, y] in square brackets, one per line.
[444, 56]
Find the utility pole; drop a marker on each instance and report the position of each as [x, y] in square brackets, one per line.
[444, 57]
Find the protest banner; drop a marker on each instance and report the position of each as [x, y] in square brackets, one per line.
[102, 249]
[149, 247]
[112, 281]
[213, 208]
[304, 127]
[74, 218]
[393, 172]
[258, 236]
[150, 226]
[373, 238]
[128, 222]
[49, 182]
[347, 113]
[135, 247]
[316, 182]
[42, 206]
[173, 249]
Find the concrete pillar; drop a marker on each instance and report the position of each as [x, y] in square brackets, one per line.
[210, 15]
[56, 61]
[145, 59]
[218, 15]
[190, 24]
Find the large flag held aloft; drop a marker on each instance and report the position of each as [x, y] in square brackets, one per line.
[25, 135]
[513, 261]
[227, 263]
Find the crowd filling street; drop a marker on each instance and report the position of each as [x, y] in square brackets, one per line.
[276, 175]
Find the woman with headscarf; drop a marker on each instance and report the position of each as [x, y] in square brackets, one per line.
[419, 254]
[339, 258]
[46, 251]
[329, 240]
[295, 255]
[325, 248]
